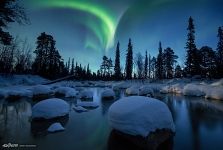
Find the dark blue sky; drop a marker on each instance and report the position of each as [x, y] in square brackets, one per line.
[80, 29]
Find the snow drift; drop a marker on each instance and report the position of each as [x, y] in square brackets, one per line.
[138, 115]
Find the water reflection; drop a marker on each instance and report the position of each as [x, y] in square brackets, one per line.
[121, 141]
[199, 124]
[39, 127]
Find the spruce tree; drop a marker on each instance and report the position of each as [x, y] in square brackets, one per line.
[169, 58]
[159, 63]
[146, 66]
[208, 64]
[10, 11]
[192, 56]
[129, 61]
[72, 67]
[117, 68]
[220, 53]
[47, 59]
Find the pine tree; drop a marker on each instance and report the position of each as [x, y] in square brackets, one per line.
[192, 58]
[208, 64]
[178, 72]
[146, 66]
[47, 59]
[10, 11]
[72, 67]
[139, 65]
[68, 65]
[117, 68]
[129, 61]
[220, 53]
[169, 58]
[150, 66]
[159, 63]
[153, 67]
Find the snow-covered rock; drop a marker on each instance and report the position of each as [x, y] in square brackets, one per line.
[121, 85]
[86, 94]
[138, 115]
[165, 89]
[79, 109]
[133, 90]
[66, 91]
[214, 93]
[108, 94]
[87, 104]
[18, 93]
[193, 90]
[41, 89]
[50, 108]
[175, 88]
[55, 127]
[21, 80]
[218, 83]
[146, 91]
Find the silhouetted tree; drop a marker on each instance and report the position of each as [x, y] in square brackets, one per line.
[117, 68]
[139, 65]
[178, 72]
[146, 66]
[72, 67]
[149, 66]
[220, 53]
[23, 58]
[106, 67]
[192, 57]
[208, 64]
[169, 58]
[159, 63]
[10, 11]
[129, 61]
[47, 59]
[153, 68]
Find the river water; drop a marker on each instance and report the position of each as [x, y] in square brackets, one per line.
[199, 124]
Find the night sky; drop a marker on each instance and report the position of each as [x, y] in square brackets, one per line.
[88, 29]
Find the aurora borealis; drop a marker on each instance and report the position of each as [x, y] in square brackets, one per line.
[89, 29]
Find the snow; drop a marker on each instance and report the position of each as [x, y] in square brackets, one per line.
[193, 90]
[79, 109]
[121, 85]
[87, 104]
[133, 90]
[214, 93]
[20, 92]
[218, 83]
[55, 127]
[67, 91]
[108, 93]
[50, 108]
[41, 89]
[21, 80]
[138, 115]
[175, 88]
[86, 94]
[146, 91]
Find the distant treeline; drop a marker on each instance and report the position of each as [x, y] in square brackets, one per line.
[16, 56]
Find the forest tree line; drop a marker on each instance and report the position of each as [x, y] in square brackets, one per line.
[16, 56]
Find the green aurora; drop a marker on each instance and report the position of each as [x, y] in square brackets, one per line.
[104, 29]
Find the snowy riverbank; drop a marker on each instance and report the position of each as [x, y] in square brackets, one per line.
[28, 85]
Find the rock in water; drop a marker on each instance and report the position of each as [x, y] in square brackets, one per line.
[50, 108]
[108, 94]
[138, 115]
[55, 127]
